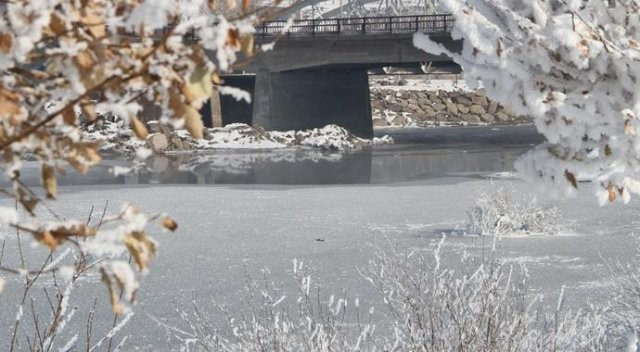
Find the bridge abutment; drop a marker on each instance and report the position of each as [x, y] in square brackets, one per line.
[312, 99]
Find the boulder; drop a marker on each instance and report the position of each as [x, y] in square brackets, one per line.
[493, 107]
[479, 100]
[175, 143]
[399, 121]
[420, 117]
[428, 110]
[488, 117]
[464, 109]
[477, 109]
[435, 100]
[508, 110]
[414, 107]
[452, 108]
[154, 126]
[471, 118]
[157, 142]
[502, 116]
[379, 122]
[439, 107]
[441, 116]
[461, 99]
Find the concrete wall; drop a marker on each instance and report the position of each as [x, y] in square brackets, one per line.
[313, 99]
[237, 111]
[335, 52]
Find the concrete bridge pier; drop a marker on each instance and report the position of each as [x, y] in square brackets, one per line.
[313, 99]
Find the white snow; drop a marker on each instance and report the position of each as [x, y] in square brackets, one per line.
[422, 83]
[241, 136]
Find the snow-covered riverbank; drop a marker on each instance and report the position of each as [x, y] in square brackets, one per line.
[113, 139]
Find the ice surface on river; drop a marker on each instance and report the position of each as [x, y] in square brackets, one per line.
[227, 229]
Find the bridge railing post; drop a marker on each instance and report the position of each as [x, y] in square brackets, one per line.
[417, 19]
[444, 17]
[364, 29]
[390, 25]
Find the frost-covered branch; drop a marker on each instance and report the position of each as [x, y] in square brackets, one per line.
[574, 66]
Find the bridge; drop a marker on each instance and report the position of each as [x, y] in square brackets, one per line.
[316, 73]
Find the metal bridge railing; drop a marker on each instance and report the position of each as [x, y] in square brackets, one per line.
[359, 26]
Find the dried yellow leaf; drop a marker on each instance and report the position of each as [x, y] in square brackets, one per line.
[215, 78]
[175, 102]
[232, 38]
[6, 42]
[246, 44]
[193, 122]
[141, 248]
[9, 103]
[8, 107]
[96, 26]
[139, 128]
[117, 306]
[50, 241]
[49, 181]
[90, 152]
[57, 24]
[89, 111]
[612, 192]
[169, 223]
[84, 60]
[69, 116]
[200, 86]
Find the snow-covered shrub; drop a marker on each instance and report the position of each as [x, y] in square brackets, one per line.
[44, 280]
[574, 67]
[499, 211]
[270, 320]
[473, 305]
[624, 301]
[430, 304]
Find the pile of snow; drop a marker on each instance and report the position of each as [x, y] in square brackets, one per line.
[239, 136]
[115, 139]
[419, 83]
[242, 136]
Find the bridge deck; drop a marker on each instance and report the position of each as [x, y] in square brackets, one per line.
[358, 26]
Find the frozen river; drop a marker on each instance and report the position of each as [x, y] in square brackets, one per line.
[333, 211]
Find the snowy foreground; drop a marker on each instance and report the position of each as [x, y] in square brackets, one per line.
[227, 230]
